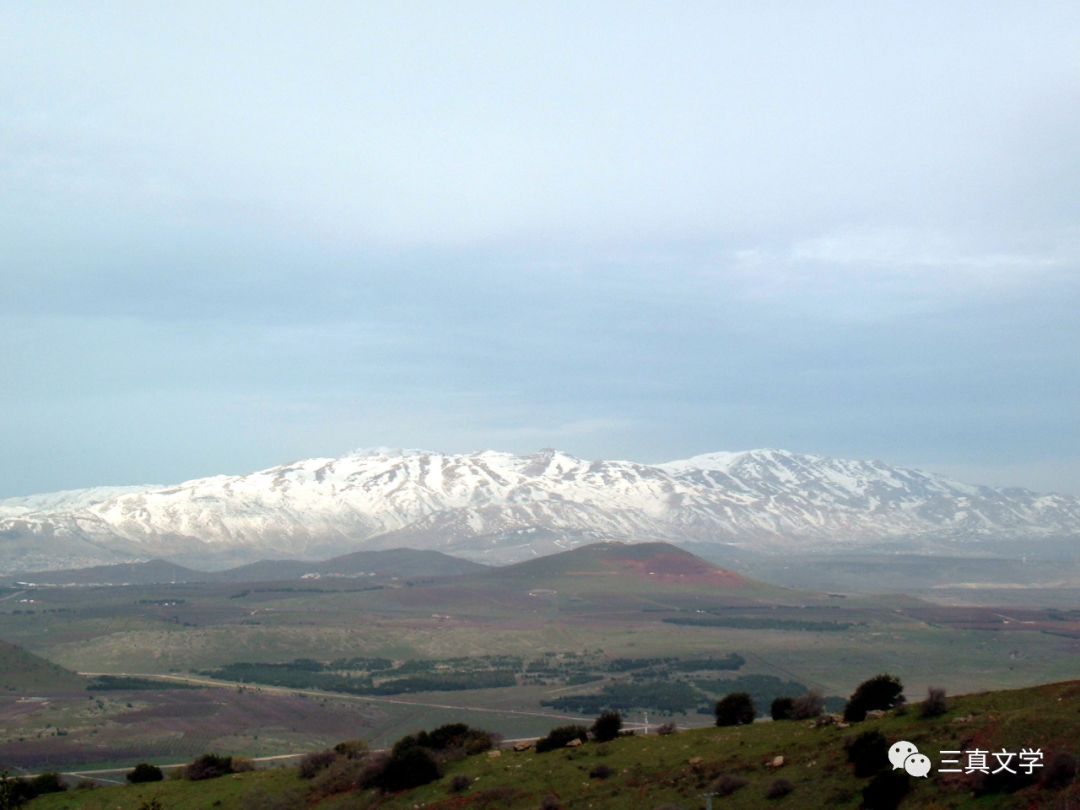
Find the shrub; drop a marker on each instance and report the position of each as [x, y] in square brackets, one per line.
[208, 766]
[880, 692]
[477, 741]
[152, 804]
[600, 772]
[351, 749]
[47, 783]
[316, 761]
[935, 704]
[726, 784]
[558, 738]
[242, 765]
[1059, 772]
[808, 706]
[348, 774]
[453, 737]
[782, 708]
[854, 712]
[779, 789]
[411, 767]
[869, 753]
[606, 727]
[145, 772]
[404, 744]
[736, 709]
[460, 783]
[550, 802]
[886, 790]
[450, 735]
[664, 729]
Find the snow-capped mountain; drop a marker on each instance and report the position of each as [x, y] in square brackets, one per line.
[500, 507]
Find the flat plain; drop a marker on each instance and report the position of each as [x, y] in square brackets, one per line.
[515, 650]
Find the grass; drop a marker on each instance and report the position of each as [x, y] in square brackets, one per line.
[23, 672]
[177, 794]
[678, 769]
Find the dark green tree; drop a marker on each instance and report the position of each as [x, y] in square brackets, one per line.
[736, 709]
[145, 772]
[606, 727]
[882, 692]
[782, 708]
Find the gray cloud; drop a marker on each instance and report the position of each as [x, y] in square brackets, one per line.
[626, 230]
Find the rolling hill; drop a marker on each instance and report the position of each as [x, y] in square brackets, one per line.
[397, 562]
[23, 672]
[633, 564]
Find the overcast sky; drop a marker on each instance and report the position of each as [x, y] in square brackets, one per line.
[236, 234]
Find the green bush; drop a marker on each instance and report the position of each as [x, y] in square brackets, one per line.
[560, 736]
[410, 767]
[782, 708]
[882, 692]
[145, 772]
[935, 704]
[606, 727]
[869, 753]
[208, 766]
[311, 764]
[808, 706]
[736, 709]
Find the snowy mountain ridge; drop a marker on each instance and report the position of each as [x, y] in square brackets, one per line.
[500, 507]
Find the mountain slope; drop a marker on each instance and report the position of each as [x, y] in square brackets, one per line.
[21, 671]
[500, 507]
[394, 562]
[652, 563]
[141, 573]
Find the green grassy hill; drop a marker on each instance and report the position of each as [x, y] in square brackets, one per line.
[675, 771]
[22, 672]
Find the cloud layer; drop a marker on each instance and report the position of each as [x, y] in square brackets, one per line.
[233, 238]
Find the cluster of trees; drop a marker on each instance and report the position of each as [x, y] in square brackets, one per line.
[759, 623]
[882, 692]
[605, 728]
[16, 791]
[414, 760]
[308, 674]
[660, 696]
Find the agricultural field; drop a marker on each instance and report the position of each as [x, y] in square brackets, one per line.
[642, 629]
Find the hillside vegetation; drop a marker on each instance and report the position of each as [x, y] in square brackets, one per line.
[676, 770]
[24, 672]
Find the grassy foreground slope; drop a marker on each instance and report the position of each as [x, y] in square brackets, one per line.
[675, 771]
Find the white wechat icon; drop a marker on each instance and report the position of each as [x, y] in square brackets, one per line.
[899, 752]
[917, 764]
[905, 755]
